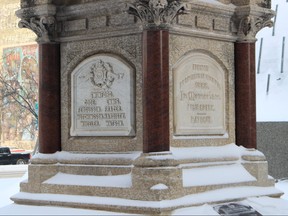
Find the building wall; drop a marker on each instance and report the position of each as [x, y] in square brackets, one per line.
[272, 140]
[12, 38]
[10, 34]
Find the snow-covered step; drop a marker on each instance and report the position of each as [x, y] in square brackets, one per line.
[122, 181]
[224, 153]
[149, 207]
[216, 175]
[111, 185]
[64, 157]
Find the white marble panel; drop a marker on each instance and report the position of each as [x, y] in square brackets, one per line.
[102, 91]
[199, 96]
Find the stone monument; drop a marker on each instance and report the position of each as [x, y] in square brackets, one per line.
[145, 105]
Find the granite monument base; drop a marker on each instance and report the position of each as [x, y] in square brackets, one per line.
[152, 183]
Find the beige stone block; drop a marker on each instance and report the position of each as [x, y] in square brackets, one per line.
[40, 173]
[260, 171]
[220, 24]
[121, 19]
[97, 22]
[186, 20]
[94, 170]
[157, 183]
[86, 190]
[203, 22]
[30, 187]
[75, 25]
[157, 176]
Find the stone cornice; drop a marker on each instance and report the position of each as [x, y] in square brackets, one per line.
[53, 23]
[156, 13]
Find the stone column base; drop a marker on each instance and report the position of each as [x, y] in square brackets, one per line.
[157, 176]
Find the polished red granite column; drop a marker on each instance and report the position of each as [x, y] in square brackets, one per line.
[245, 97]
[49, 98]
[156, 90]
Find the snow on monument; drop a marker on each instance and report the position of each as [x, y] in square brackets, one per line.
[142, 102]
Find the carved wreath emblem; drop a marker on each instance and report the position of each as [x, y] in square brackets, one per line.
[102, 74]
[156, 12]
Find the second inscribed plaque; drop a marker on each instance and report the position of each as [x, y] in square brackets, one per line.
[199, 96]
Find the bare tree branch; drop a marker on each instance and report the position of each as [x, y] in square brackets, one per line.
[18, 95]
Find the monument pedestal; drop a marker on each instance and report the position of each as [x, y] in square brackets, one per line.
[152, 183]
[148, 115]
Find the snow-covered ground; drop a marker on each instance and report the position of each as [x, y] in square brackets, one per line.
[10, 186]
[272, 67]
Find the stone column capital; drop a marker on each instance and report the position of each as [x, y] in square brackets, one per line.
[156, 14]
[41, 20]
[44, 27]
[251, 21]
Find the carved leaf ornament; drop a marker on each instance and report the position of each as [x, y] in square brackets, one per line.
[250, 26]
[43, 27]
[156, 13]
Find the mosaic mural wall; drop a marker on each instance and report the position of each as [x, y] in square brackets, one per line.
[19, 80]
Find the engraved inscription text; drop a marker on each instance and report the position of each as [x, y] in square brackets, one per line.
[102, 98]
[199, 96]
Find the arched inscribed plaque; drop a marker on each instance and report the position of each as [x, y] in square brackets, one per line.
[102, 93]
[199, 96]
